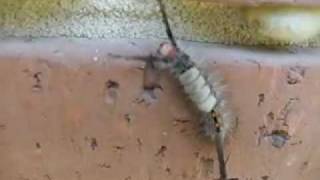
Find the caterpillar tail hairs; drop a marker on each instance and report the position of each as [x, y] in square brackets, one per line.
[206, 95]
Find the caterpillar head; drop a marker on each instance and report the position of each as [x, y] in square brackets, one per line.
[166, 55]
[167, 51]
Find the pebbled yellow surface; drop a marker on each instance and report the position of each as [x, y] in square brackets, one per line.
[191, 20]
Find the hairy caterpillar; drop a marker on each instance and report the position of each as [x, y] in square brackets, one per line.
[205, 94]
[202, 93]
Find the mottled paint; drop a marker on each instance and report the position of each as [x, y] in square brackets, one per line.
[192, 20]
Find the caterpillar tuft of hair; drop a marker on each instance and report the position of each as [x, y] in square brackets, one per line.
[205, 93]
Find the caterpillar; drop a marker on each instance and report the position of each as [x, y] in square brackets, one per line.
[204, 92]
[216, 119]
[206, 96]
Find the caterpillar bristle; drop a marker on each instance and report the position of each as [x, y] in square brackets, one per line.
[223, 108]
[220, 89]
[207, 126]
[227, 120]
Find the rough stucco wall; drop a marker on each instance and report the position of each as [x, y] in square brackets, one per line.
[257, 2]
[59, 121]
[192, 20]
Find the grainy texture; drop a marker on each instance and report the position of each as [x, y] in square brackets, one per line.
[191, 20]
[258, 2]
[69, 111]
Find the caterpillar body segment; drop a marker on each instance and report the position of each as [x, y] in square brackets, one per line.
[205, 94]
[199, 96]
[189, 76]
[208, 104]
[200, 82]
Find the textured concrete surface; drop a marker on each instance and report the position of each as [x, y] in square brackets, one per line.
[69, 110]
[191, 19]
[258, 2]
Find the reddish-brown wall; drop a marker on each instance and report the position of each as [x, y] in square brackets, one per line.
[59, 121]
